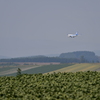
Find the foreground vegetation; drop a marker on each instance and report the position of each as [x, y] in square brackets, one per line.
[56, 86]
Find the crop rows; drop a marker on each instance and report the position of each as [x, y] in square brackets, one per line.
[80, 67]
[56, 86]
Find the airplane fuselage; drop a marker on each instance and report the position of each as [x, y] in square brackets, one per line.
[73, 35]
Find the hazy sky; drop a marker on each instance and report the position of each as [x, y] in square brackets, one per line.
[40, 27]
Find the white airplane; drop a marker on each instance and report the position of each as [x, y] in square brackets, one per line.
[73, 35]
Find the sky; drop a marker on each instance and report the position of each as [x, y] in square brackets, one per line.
[40, 27]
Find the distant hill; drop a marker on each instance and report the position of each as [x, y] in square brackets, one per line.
[37, 56]
[52, 55]
[88, 55]
[71, 57]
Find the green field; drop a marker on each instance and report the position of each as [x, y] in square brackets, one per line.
[69, 82]
[31, 69]
[80, 67]
[11, 70]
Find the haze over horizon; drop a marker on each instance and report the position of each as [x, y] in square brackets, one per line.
[40, 27]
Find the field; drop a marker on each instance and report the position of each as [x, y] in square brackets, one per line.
[32, 68]
[80, 67]
[58, 81]
[10, 69]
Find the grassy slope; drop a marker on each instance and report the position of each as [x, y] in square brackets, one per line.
[80, 67]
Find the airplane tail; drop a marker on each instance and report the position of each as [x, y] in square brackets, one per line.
[76, 33]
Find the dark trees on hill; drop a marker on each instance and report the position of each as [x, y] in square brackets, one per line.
[84, 56]
[41, 59]
[71, 57]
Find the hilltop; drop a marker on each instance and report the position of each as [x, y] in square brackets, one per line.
[86, 55]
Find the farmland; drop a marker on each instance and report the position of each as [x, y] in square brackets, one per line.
[80, 67]
[10, 69]
[50, 81]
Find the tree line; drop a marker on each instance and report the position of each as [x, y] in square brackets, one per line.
[71, 57]
[45, 59]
